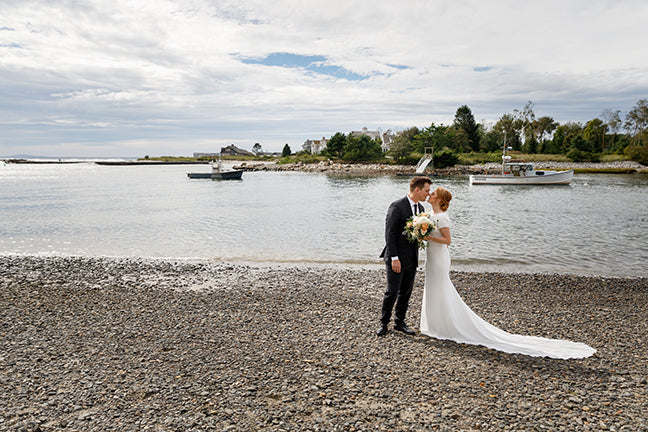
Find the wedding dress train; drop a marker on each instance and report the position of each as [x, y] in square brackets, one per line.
[444, 315]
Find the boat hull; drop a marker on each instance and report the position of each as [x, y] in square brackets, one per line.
[547, 178]
[226, 175]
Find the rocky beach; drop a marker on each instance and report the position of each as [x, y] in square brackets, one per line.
[627, 167]
[99, 344]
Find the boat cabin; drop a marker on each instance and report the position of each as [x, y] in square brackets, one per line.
[519, 168]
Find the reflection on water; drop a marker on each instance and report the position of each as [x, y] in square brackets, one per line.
[597, 225]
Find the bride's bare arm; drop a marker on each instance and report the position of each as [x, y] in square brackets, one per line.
[445, 238]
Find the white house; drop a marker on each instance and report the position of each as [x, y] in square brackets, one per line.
[387, 139]
[372, 134]
[315, 146]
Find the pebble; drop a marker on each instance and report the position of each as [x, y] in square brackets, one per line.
[99, 344]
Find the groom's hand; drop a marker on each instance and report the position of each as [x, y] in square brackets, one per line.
[396, 266]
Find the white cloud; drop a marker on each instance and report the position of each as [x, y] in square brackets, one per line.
[168, 74]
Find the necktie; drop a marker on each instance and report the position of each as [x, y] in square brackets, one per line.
[415, 207]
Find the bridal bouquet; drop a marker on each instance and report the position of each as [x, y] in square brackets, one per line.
[418, 227]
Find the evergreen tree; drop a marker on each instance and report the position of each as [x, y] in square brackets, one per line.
[286, 151]
[362, 148]
[336, 144]
[465, 120]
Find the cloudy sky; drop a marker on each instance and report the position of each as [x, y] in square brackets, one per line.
[128, 78]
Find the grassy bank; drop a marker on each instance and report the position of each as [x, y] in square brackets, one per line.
[205, 158]
[608, 171]
[496, 157]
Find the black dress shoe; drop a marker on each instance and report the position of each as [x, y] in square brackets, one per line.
[382, 330]
[403, 328]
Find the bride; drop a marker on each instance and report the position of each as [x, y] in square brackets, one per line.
[444, 315]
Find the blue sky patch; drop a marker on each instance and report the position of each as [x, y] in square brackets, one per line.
[482, 68]
[395, 66]
[313, 63]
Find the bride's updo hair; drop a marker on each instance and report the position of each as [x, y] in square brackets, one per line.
[444, 198]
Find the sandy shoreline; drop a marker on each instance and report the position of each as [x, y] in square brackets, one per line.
[126, 344]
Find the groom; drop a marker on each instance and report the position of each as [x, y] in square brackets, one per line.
[401, 256]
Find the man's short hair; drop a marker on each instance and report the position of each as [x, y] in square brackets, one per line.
[419, 182]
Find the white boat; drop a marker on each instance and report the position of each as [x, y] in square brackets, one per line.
[517, 172]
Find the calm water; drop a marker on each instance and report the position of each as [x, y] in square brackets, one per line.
[598, 225]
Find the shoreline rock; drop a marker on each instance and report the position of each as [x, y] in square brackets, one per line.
[127, 344]
[377, 169]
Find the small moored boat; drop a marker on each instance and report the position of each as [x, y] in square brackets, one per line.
[218, 173]
[517, 172]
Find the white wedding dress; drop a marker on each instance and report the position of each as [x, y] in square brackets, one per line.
[444, 315]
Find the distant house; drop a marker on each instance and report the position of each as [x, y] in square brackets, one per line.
[315, 146]
[376, 135]
[387, 139]
[232, 150]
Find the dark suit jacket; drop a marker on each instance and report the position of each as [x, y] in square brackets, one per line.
[396, 243]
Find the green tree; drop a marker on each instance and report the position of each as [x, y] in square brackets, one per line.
[530, 145]
[423, 139]
[257, 149]
[362, 148]
[464, 120]
[462, 141]
[637, 121]
[613, 121]
[566, 136]
[525, 120]
[492, 141]
[413, 135]
[445, 158]
[336, 144]
[579, 143]
[286, 151]
[557, 144]
[594, 134]
[441, 136]
[638, 153]
[507, 126]
[544, 126]
[400, 147]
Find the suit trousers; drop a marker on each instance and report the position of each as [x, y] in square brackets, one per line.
[399, 291]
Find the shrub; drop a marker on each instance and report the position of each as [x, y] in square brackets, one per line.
[582, 156]
[445, 159]
[638, 153]
[411, 159]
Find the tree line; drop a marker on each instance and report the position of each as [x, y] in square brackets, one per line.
[522, 130]
[349, 147]
[525, 132]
